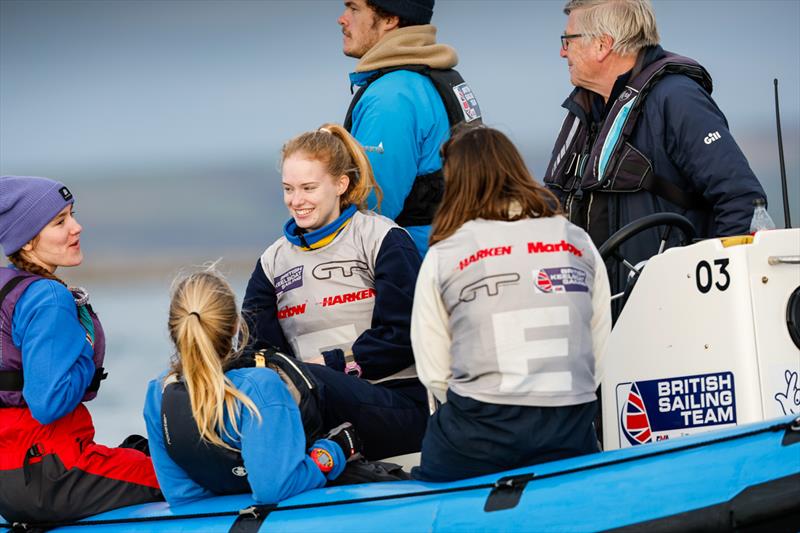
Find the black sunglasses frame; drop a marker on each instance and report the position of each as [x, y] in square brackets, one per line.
[566, 37]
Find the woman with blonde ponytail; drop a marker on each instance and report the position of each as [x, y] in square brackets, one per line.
[336, 291]
[52, 350]
[219, 426]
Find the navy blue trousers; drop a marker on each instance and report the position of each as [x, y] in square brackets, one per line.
[467, 438]
[390, 417]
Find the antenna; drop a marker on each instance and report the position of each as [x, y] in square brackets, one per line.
[786, 218]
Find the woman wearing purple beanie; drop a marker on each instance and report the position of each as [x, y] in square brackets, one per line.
[51, 361]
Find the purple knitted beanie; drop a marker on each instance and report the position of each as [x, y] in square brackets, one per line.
[27, 204]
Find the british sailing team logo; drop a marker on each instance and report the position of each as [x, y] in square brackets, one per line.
[635, 424]
[659, 409]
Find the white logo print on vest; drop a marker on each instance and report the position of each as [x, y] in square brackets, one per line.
[711, 137]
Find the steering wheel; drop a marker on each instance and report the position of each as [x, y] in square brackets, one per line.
[610, 248]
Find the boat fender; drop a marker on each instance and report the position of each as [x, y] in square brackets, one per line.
[507, 492]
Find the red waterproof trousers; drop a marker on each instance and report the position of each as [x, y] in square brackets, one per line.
[56, 472]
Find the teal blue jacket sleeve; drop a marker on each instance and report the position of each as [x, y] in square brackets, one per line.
[274, 448]
[401, 122]
[56, 354]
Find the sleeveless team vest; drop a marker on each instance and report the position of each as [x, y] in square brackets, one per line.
[605, 161]
[519, 299]
[218, 469]
[325, 297]
[12, 284]
[460, 105]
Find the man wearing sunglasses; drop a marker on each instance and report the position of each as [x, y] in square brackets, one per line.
[642, 134]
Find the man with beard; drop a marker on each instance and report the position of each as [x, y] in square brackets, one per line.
[408, 98]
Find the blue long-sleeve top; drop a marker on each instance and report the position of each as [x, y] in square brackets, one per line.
[273, 449]
[56, 355]
[402, 122]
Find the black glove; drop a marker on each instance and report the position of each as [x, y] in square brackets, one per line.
[346, 437]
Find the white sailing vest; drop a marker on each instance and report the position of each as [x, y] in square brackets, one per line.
[325, 297]
[519, 298]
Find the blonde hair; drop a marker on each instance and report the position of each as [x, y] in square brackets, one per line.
[203, 322]
[341, 154]
[486, 177]
[631, 23]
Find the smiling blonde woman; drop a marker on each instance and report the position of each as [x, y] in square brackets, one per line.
[336, 291]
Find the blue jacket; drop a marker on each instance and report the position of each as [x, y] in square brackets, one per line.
[273, 450]
[56, 355]
[402, 123]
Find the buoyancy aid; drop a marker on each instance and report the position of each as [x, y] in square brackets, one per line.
[219, 469]
[461, 106]
[587, 159]
[13, 284]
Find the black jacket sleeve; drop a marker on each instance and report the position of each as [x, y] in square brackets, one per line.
[700, 144]
[385, 348]
[260, 311]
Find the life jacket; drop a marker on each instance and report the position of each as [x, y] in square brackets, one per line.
[219, 469]
[585, 160]
[461, 106]
[12, 285]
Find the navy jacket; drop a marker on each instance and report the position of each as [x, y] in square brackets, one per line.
[673, 132]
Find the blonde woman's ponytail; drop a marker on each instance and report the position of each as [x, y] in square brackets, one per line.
[203, 322]
[362, 179]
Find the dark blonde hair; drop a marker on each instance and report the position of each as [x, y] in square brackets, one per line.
[19, 260]
[341, 155]
[485, 177]
[203, 323]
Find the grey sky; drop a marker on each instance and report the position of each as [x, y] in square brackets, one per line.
[173, 93]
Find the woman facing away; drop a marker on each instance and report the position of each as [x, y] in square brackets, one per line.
[220, 426]
[511, 315]
[337, 288]
[51, 361]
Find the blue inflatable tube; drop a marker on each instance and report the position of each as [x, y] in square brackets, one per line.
[741, 478]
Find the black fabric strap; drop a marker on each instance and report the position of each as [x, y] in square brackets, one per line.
[9, 286]
[422, 201]
[99, 375]
[11, 380]
[670, 192]
[250, 519]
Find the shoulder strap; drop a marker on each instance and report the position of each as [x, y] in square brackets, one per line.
[301, 384]
[459, 101]
[10, 286]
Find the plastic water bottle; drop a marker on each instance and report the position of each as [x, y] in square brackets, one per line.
[761, 220]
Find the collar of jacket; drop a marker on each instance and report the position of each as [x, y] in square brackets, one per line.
[318, 238]
[412, 45]
[580, 100]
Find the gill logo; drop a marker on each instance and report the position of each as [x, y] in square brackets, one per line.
[711, 137]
